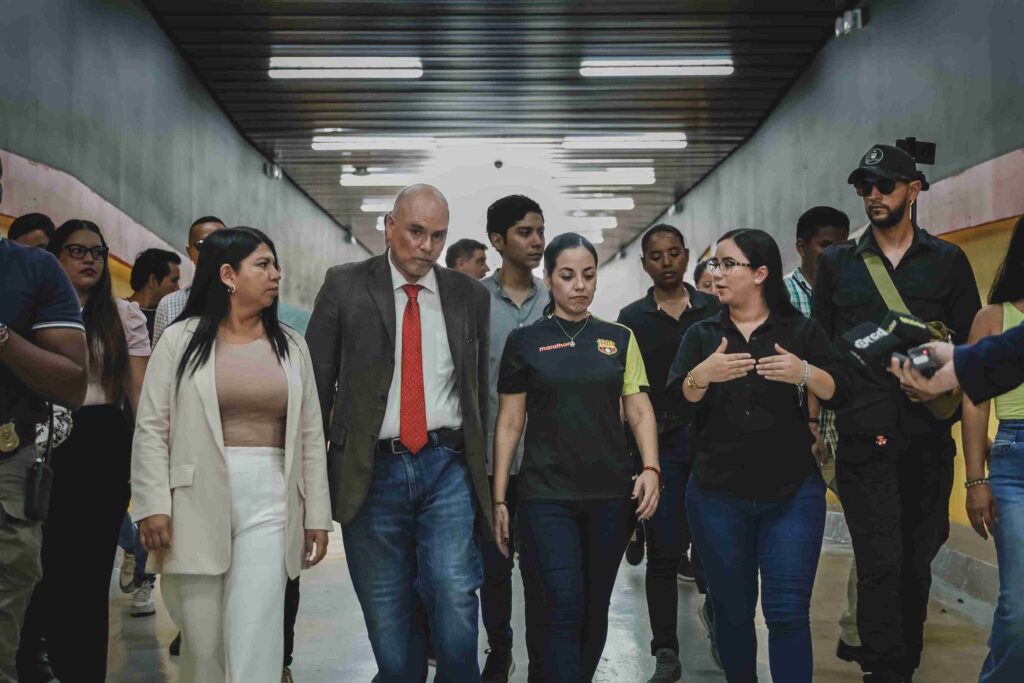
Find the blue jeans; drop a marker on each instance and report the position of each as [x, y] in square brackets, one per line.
[128, 539]
[736, 539]
[1005, 661]
[414, 534]
[572, 550]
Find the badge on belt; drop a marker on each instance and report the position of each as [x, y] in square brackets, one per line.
[9, 440]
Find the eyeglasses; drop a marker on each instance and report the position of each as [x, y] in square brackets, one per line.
[885, 186]
[78, 252]
[725, 265]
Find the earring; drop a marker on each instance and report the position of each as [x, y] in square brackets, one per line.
[231, 289]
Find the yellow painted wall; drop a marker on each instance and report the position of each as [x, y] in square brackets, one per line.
[120, 272]
[985, 246]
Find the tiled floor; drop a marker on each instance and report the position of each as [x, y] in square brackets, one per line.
[331, 644]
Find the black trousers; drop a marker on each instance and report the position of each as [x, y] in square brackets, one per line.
[70, 606]
[895, 494]
[291, 612]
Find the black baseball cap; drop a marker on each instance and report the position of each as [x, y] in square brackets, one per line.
[886, 161]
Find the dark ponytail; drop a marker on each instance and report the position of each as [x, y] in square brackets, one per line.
[568, 240]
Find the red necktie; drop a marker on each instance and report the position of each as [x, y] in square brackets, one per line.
[413, 414]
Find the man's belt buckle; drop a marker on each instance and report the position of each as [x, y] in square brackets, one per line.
[397, 447]
[9, 439]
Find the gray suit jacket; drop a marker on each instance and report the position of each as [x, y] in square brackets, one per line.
[351, 338]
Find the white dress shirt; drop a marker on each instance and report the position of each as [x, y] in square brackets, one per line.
[442, 398]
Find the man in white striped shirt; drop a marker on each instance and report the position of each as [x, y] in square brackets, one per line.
[172, 305]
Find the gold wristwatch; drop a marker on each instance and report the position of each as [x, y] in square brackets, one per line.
[691, 382]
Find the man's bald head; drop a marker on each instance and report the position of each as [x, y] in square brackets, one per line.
[416, 230]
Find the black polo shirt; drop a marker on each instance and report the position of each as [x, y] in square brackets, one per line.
[658, 334]
[575, 445]
[752, 438]
[35, 294]
[936, 282]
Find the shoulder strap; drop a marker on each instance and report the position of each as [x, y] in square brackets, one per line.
[49, 437]
[883, 282]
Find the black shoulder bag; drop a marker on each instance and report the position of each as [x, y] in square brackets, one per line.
[40, 481]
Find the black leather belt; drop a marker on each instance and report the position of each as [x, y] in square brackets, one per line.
[449, 438]
[16, 435]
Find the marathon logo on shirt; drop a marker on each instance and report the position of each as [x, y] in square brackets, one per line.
[607, 347]
[555, 347]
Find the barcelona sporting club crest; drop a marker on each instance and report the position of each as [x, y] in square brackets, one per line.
[607, 347]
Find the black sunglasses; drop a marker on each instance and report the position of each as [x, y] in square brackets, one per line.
[78, 252]
[885, 186]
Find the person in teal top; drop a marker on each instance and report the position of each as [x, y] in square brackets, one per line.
[580, 489]
[995, 504]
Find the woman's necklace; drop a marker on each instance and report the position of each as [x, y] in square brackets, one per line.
[572, 338]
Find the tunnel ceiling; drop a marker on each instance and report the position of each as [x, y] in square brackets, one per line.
[500, 79]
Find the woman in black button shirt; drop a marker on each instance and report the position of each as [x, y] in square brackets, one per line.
[756, 501]
[570, 372]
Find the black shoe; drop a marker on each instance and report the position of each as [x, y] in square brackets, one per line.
[39, 669]
[684, 572]
[885, 677]
[667, 669]
[499, 666]
[175, 648]
[849, 653]
[635, 549]
[707, 618]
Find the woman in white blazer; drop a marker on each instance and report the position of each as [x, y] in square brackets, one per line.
[229, 477]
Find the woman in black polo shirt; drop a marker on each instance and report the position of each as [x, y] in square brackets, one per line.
[755, 501]
[578, 502]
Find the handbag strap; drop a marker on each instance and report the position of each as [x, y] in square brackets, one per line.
[883, 282]
[49, 437]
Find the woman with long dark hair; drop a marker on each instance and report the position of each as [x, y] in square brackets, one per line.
[229, 467]
[91, 468]
[580, 490]
[755, 500]
[995, 503]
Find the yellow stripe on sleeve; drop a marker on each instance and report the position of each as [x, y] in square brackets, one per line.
[634, 378]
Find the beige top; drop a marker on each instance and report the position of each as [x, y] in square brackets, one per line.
[252, 391]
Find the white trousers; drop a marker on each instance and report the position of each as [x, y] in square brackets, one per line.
[232, 625]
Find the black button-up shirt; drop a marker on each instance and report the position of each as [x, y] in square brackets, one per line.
[936, 282]
[658, 335]
[752, 435]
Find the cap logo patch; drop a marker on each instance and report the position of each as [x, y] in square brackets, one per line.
[873, 157]
[607, 347]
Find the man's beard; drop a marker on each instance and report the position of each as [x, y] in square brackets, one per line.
[895, 216]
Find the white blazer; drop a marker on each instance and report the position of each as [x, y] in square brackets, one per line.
[178, 465]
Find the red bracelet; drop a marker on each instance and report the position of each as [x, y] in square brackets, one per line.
[654, 469]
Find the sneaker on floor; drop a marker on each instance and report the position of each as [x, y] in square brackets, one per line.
[499, 666]
[175, 649]
[847, 652]
[635, 549]
[684, 572]
[667, 668]
[286, 675]
[142, 604]
[126, 579]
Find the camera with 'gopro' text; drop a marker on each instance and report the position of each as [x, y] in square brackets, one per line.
[901, 336]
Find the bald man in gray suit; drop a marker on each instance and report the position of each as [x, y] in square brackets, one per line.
[399, 349]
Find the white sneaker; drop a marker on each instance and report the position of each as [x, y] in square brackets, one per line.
[126, 580]
[142, 604]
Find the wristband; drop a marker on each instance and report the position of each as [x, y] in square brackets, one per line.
[813, 420]
[970, 483]
[501, 502]
[654, 469]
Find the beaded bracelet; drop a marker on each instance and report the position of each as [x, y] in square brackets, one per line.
[970, 483]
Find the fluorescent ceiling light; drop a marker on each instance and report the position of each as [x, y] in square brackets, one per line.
[602, 204]
[638, 141]
[624, 160]
[377, 205]
[329, 143]
[592, 223]
[495, 142]
[380, 223]
[378, 180]
[616, 176]
[657, 67]
[349, 168]
[345, 67]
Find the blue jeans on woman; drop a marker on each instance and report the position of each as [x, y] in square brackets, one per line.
[1005, 661]
[737, 538]
[572, 549]
[128, 540]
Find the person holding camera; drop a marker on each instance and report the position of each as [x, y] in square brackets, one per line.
[894, 465]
